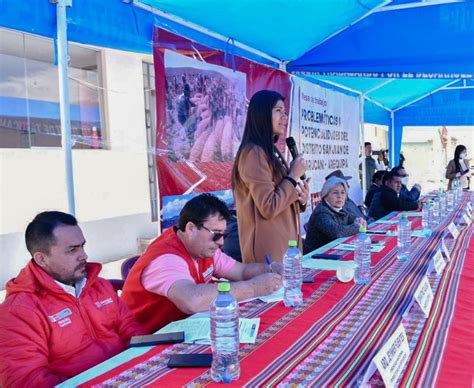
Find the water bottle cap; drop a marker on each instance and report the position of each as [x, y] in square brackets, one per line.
[223, 287]
[292, 243]
[405, 216]
[362, 229]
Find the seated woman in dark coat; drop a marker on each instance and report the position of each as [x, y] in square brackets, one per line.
[329, 220]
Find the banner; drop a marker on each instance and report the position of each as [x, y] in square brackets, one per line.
[201, 102]
[326, 127]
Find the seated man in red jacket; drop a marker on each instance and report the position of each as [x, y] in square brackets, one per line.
[171, 279]
[59, 318]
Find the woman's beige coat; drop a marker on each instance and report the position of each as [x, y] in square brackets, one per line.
[267, 211]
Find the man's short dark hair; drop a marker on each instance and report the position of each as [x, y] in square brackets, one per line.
[378, 175]
[39, 235]
[198, 209]
[388, 176]
[396, 170]
[367, 143]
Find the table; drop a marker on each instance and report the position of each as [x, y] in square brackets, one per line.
[332, 338]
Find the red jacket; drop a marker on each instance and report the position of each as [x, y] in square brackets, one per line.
[48, 336]
[154, 311]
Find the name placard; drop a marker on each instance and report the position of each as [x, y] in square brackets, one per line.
[424, 296]
[445, 250]
[466, 218]
[439, 262]
[453, 230]
[392, 358]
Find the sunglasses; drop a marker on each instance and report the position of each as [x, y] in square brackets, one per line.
[216, 235]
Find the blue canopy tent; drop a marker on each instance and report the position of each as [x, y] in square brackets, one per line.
[397, 52]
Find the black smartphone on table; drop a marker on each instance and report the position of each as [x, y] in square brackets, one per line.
[327, 256]
[193, 360]
[157, 339]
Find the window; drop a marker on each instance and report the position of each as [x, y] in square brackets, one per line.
[29, 94]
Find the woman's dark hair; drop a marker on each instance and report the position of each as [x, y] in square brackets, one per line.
[258, 131]
[457, 154]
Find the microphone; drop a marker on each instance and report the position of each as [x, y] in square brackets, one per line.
[290, 142]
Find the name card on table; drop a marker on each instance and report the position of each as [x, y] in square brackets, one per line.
[445, 250]
[466, 218]
[469, 207]
[424, 296]
[453, 230]
[392, 358]
[439, 262]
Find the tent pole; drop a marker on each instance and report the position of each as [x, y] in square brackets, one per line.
[66, 137]
[392, 139]
[362, 146]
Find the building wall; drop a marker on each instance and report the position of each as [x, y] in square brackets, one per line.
[111, 186]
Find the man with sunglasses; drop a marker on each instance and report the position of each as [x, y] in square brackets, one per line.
[172, 279]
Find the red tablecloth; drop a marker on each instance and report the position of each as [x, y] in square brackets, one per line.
[332, 338]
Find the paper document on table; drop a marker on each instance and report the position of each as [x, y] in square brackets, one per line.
[198, 330]
[326, 264]
[386, 222]
[351, 247]
[274, 297]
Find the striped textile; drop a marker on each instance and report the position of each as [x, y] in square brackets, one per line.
[333, 336]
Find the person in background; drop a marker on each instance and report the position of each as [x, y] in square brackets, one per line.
[459, 168]
[349, 206]
[370, 166]
[375, 187]
[268, 194]
[388, 198]
[59, 318]
[231, 242]
[414, 193]
[329, 219]
[172, 279]
[380, 162]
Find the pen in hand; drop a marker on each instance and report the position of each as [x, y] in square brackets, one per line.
[269, 263]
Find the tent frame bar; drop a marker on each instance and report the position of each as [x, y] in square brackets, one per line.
[418, 4]
[64, 108]
[205, 31]
[425, 95]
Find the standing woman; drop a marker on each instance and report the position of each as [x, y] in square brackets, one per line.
[268, 197]
[459, 167]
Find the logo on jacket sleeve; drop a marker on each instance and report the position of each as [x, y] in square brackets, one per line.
[101, 303]
[60, 316]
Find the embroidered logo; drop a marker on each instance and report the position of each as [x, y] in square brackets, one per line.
[64, 322]
[101, 303]
[207, 275]
[58, 316]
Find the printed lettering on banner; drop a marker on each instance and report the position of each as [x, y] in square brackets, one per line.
[445, 250]
[393, 357]
[453, 230]
[439, 262]
[424, 296]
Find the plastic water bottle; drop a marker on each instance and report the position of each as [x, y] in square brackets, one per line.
[442, 202]
[404, 238]
[460, 191]
[426, 218]
[454, 189]
[292, 275]
[450, 201]
[225, 336]
[362, 257]
[435, 217]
